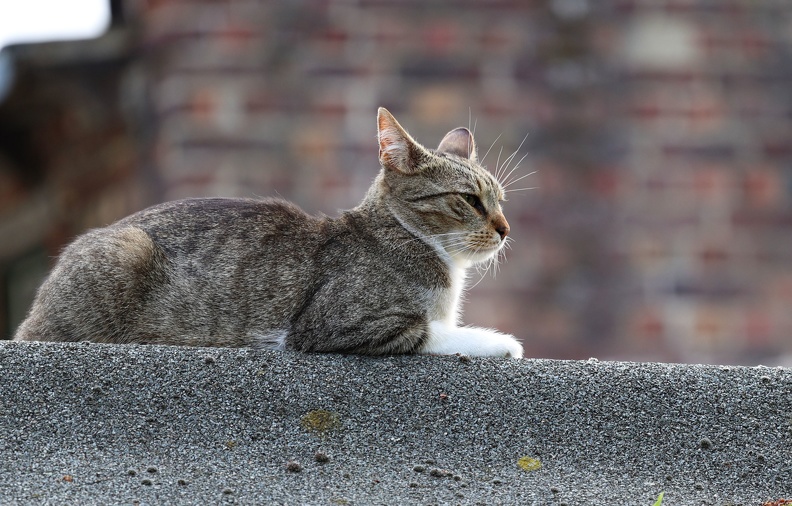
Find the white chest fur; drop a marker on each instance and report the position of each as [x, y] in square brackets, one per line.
[445, 302]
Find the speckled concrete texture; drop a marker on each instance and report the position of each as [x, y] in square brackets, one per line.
[103, 424]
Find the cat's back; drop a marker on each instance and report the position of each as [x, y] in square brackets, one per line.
[194, 225]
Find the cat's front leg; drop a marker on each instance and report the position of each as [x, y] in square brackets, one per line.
[445, 339]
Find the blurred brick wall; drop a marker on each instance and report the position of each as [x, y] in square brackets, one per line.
[68, 158]
[659, 129]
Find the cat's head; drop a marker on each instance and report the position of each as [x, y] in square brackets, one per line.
[444, 195]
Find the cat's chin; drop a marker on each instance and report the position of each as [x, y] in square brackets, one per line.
[480, 258]
[471, 258]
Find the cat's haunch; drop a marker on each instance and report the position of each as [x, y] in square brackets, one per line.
[383, 278]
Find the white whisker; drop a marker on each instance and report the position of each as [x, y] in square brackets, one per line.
[497, 164]
[457, 241]
[423, 239]
[518, 179]
[456, 249]
[457, 246]
[510, 158]
[490, 148]
[483, 275]
[506, 177]
[507, 161]
[501, 254]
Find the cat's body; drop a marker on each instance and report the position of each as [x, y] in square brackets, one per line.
[385, 277]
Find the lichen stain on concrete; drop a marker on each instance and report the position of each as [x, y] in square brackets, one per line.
[320, 421]
[529, 464]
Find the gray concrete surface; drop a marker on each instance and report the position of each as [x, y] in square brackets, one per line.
[101, 424]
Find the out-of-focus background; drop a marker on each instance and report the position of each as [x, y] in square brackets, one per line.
[660, 130]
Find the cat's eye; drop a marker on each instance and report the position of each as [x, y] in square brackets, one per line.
[474, 202]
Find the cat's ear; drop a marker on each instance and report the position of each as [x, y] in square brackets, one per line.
[459, 142]
[397, 150]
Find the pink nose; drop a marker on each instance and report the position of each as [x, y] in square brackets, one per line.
[501, 226]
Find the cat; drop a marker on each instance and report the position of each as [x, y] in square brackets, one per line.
[385, 277]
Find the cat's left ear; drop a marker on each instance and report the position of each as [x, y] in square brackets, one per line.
[397, 150]
[459, 142]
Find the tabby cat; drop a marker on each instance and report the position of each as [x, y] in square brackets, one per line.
[383, 278]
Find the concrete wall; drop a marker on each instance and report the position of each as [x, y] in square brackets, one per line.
[107, 424]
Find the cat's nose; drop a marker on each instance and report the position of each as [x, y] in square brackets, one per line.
[502, 227]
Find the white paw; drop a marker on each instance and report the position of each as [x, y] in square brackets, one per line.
[509, 347]
[446, 340]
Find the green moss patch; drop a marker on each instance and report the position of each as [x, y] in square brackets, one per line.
[529, 464]
[320, 421]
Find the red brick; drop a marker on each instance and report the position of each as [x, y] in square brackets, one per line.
[763, 188]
